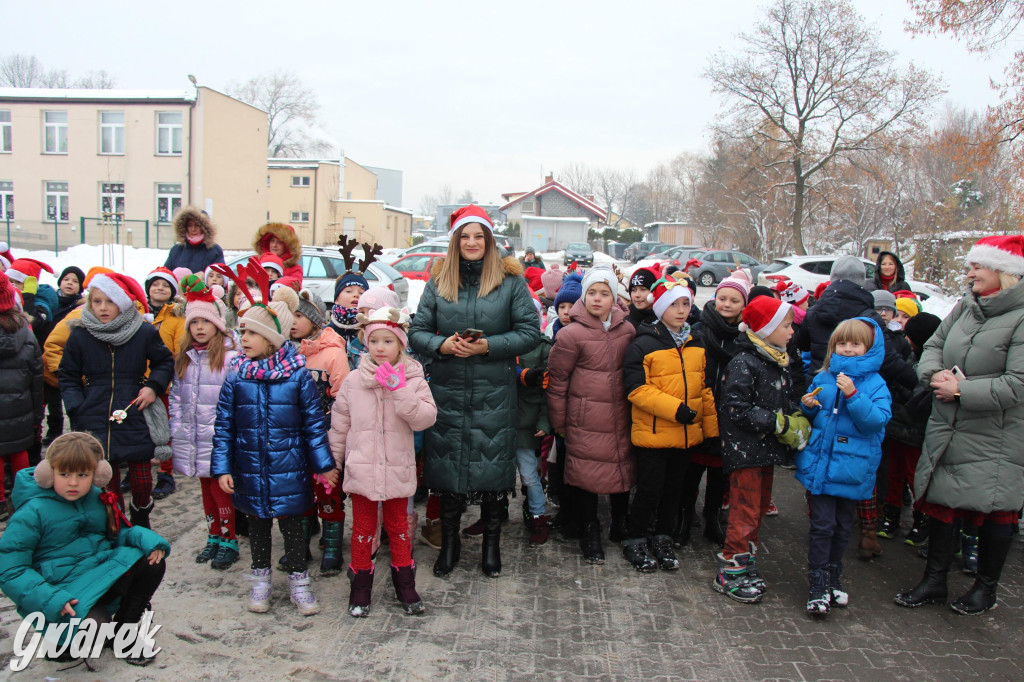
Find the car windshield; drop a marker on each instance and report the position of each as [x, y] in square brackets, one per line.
[578, 246]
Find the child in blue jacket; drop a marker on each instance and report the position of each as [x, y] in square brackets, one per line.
[849, 406]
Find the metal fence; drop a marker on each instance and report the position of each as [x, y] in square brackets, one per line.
[56, 235]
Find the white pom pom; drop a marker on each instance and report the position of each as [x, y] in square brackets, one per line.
[743, 327]
[650, 298]
[4, 247]
[148, 317]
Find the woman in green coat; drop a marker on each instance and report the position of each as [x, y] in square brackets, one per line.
[470, 450]
[972, 463]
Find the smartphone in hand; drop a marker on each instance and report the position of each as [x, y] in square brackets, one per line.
[472, 335]
[958, 373]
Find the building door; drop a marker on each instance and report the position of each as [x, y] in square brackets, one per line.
[348, 227]
[538, 237]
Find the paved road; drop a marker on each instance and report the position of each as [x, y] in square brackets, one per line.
[551, 616]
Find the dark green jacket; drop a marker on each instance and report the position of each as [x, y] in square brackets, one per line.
[471, 447]
[533, 406]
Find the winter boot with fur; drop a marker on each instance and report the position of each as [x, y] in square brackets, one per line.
[732, 579]
[404, 580]
[918, 535]
[140, 515]
[817, 593]
[259, 590]
[667, 560]
[331, 563]
[869, 546]
[301, 595]
[992, 551]
[637, 552]
[890, 526]
[836, 595]
[360, 592]
[430, 533]
[942, 539]
[753, 573]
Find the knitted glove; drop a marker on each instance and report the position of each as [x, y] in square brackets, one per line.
[684, 415]
[532, 377]
[390, 378]
[793, 430]
[30, 285]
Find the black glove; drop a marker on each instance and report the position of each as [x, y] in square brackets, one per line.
[532, 377]
[684, 415]
[711, 446]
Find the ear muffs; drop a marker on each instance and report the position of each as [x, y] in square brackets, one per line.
[103, 474]
[44, 474]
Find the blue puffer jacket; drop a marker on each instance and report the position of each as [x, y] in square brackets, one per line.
[846, 444]
[271, 435]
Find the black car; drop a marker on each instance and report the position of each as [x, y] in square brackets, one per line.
[579, 252]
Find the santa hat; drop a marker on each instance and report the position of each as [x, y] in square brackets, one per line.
[6, 258]
[791, 292]
[602, 274]
[274, 320]
[394, 320]
[551, 279]
[167, 276]
[203, 302]
[533, 278]
[269, 260]
[378, 297]
[763, 315]
[466, 215]
[1003, 253]
[93, 271]
[23, 268]
[124, 291]
[667, 291]
[8, 298]
[645, 277]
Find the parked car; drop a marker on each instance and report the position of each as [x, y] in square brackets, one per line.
[679, 255]
[579, 252]
[322, 265]
[654, 252]
[638, 250]
[432, 246]
[417, 265]
[716, 265]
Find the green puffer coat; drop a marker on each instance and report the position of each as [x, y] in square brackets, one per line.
[533, 406]
[973, 456]
[471, 447]
[55, 550]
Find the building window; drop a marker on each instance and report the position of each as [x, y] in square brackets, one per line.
[300, 181]
[268, 181]
[112, 200]
[111, 132]
[57, 201]
[5, 131]
[56, 132]
[168, 132]
[6, 200]
[300, 216]
[528, 207]
[168, 201]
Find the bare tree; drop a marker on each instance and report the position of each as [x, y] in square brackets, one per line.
[291, 113]
[825, 85]
[466, 198]
[26, 71]
[96, 80]
[578, 177]
[445, 194]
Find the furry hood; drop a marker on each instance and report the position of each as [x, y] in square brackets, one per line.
[510, 264]
[286, 233]
[192, 213]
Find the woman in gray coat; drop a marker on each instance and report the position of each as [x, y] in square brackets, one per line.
[972, 462]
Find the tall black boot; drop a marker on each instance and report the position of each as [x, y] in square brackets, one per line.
[992, 551]
[140, 515]
[713, 529]
[932, 588]
[490, 554]
[451, 544]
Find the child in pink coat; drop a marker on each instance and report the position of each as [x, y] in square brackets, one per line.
[379, 406]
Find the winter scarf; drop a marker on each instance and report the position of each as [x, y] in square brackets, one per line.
[721, 331]
[777, 355]
[681, 337]
[118, 331]
[343, 317]
[281, 365]
[159, 430]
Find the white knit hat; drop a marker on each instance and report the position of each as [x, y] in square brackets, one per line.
[601, 274]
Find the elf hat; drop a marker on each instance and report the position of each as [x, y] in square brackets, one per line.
[6, 258]
[23, 268]
[1003, 253]
[791, 292]
[203, 302]
[763, 315]
[8, 299]
[466, 215]
[124, 291]
[394, 320]
[274, 320]
[378, 297]
[269, 260]
[645, 277]
[167, 276]
[667, 291]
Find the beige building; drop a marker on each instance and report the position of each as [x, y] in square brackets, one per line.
[76, 158]
[300, 192]
[372, 221]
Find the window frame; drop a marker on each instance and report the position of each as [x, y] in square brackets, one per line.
[299, 217]
[107, 190]
[6, 199]
[57, 127]
[113, 127]
[6, 132]
[53, 188]
[304, 181]
[163, 192]
[170, 128]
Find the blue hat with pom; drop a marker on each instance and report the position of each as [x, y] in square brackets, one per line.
[570, 291]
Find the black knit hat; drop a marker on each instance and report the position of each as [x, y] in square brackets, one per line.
[760, 291]
[642, 277]
[921, 327]
[77, 272]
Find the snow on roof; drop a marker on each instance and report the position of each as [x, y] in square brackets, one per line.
[73, 94]
[553, 219]
[556, 186]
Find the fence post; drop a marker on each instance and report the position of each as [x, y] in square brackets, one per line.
[8, 217]
[81, 228]
[147, 233]
[56, 250]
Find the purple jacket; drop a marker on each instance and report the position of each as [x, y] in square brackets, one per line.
[193, 409]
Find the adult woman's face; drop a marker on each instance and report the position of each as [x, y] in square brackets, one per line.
[888, 266]
[982, 279]
[472, 242]
[194, 229]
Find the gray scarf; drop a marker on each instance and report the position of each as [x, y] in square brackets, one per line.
[118, 331]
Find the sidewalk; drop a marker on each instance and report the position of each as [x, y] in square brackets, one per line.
[552, 617]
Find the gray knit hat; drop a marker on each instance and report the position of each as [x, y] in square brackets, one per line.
[313, 308]
[884, 299]
[849, 268]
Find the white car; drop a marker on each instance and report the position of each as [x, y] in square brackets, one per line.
[438, 245]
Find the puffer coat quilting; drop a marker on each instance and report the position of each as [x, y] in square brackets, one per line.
[21, 389]
[532, 410]
[193, 411]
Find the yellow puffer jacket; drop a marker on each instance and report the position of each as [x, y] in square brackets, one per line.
[53, 347]
[170, 322]
[659, 377]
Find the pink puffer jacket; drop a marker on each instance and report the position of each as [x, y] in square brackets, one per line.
[193, 411]
[372, 431]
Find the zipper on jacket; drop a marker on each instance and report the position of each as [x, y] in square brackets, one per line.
[686, 395]
[110, 408]
[654, 424]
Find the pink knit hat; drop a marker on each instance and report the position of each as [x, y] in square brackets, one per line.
[736, 284]
[203, 302]
[552, 280]
[378, 297]
[394, 320]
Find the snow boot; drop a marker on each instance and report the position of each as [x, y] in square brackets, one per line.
[667, 560]
[164, 486]
[932, 588]
[817, 592]
[869, 546]
[331, 563]
[590, 543]
[539, 530]
[637, 552]
[837, 596]
[227, 554]
[210, 551]
[301, 595]
[714, 531]
[918, 535]
[890, 525]
[259, 590]
[140, 515]
[992, 551]
[451, 544]
[404, 581]
[732, 579]
[681, 537]
[753, 574]
[969, 552]
[360, 592]
[430, 533]
[490, 552]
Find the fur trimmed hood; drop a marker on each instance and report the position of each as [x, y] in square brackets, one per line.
[192, 213]
[286, 233]
[510, 264]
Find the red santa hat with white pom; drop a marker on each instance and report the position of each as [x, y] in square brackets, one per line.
[1004, 253]
[6, 257]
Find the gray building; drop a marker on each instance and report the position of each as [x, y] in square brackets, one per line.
[389, 185]
[552, 216]
[445, 210]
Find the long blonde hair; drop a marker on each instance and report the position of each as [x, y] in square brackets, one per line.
[849, 331]
[215, 355]
[448, 281]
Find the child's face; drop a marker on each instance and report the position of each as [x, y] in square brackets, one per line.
[349, 296]
[301, 327]
[160, 291]
[564, 308]
[851, 349]
[202, 331]
[255, 346]
[214, 278]
[69, 286]
[729, 303]
[273, 274]
[782, 335]
[638, 297]
[902, 318]
[383, 346]
[886, 314]
[675, 316]
[599, 300]
[102, 307]
[72, 486]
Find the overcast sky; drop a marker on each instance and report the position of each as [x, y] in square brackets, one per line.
[481, 95]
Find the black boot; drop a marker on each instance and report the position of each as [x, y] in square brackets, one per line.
[890, 522]
[404, 581]
[713, 529]
[331, 563]
[451, 544]
[681, 537]
[918, 535]
[590, 543]
[164, 486]
[490, 554]
[932, 588]
[992, 551]
[140, 516]
[360, 592]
